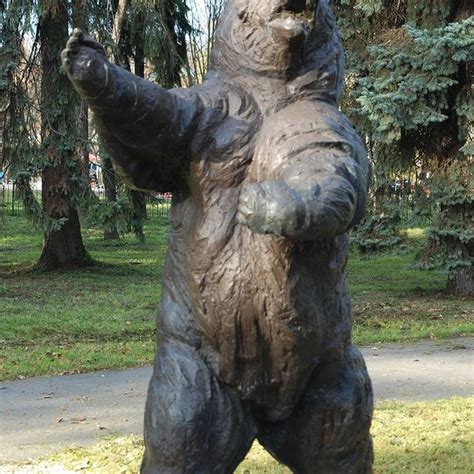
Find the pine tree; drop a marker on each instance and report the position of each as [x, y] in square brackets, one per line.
[148, 35]
[410, 69]
[63, 245]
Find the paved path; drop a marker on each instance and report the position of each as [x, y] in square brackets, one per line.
[43, 413]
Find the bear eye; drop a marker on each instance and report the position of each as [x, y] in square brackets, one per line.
[242, 14]
[293, 6]
[296, 6]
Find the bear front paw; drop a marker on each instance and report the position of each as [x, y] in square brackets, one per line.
[250, 211]
[86, 65]
[270, 207]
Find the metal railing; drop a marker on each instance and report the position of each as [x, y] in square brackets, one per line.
[11, 203]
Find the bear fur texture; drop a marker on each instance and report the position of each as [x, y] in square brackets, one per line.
[267, 176]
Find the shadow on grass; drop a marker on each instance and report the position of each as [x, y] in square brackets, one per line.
[94, 267]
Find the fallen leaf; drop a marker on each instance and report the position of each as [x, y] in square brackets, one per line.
[78, 420]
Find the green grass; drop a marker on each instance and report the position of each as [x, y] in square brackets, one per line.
[103, 317]
[394, 302]
[424, 438]
[95, 318]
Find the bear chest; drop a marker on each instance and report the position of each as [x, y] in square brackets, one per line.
[224, 143]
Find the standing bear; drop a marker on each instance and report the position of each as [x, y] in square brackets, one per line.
[267, 176]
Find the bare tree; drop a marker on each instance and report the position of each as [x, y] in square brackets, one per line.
[203, 17]
[110, 179]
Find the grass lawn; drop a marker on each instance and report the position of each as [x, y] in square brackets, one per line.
[82, 320]
[394, 302]
[102, 317]
[424, 438]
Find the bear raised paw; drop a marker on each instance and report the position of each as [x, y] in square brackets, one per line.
[267, 176]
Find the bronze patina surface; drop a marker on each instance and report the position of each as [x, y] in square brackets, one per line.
[267, 176]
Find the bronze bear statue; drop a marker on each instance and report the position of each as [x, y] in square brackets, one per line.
[267, 176]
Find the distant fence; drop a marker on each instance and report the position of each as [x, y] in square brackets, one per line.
[11, 204]
[158, 205]
[10, 200]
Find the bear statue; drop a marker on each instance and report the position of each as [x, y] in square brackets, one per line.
[267, 176]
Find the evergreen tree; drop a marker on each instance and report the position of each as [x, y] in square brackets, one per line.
[63, 245]
[152, 37]
[145, 36]
[410, 69]
[17, 133]
[39, 133]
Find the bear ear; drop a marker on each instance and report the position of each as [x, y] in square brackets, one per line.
[242, 8]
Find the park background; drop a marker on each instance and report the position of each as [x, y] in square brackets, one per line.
[81, 255]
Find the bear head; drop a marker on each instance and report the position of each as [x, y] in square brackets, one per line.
[293, 40]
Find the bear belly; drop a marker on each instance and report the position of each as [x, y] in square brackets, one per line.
[262, 317]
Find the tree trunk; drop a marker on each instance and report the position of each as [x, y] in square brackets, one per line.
[83, 144]
[79, 20]
[138, 213]
[379, 195]
[118, 21]
[110, 179]
[9, 54]
[110, 187]
[63, 246]
[138, 197]
[178, 41]
[462, 284]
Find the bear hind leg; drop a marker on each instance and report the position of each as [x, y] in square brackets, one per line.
[193, 423]
[328, 431]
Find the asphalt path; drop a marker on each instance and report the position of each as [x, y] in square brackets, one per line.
[41, 414]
